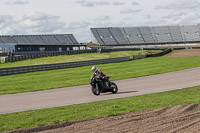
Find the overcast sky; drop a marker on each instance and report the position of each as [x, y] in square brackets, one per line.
[78, 16]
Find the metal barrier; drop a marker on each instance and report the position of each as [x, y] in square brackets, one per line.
[160, 54]
[35, 68]
[125, 49]
[166, 51]
[27, 55]
[139, 57]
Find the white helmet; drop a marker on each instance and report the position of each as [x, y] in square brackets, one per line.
[94, 69]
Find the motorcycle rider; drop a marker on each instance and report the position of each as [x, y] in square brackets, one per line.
[100, 74]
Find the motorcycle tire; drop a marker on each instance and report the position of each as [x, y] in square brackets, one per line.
[95, 90]
[115, 88]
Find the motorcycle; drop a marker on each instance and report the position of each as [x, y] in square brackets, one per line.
[100, 85]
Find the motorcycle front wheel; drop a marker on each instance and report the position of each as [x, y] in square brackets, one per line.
[114, 87]
[95, 90]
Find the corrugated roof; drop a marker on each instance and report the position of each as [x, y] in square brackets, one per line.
[49, 39]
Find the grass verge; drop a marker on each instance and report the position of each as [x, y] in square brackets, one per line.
[76, 57]
[98, 109]
[1, 61]
[68, 77]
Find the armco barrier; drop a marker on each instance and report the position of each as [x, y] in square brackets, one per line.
[125, 49]
[35, 68]
[32, 55]
[152, 55]
[3, 54]
[160, 54]
[139, 56]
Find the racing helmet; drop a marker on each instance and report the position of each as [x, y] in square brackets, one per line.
[94, 69]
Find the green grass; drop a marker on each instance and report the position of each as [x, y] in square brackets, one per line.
[72, 58]
[1, 61]
[98, 109]
[68, 77]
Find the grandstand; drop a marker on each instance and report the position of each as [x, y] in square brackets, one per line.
[28, 43]
[146, 35]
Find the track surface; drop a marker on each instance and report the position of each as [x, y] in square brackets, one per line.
[82, 94]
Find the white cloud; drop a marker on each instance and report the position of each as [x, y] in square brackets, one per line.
[135, 3]
[102, 3]
[117, 3]
[7, 25]
[148, 16]
[5, 20]
[40, 22]
[18, 2]
[103, 18]
[86, 3]
[179, 17]
[176, 18]
[39, 16]
[31, 23]
[180, 5]
[77, 25]
[128, 11]
[83, 37]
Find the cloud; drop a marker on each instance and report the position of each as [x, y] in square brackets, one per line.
[8, 25]
[128, 11]
[117, 3]
[176, 18]
[180, 4]
[86, 3]
[180, 17]
[40, 22]
[77, 25]
[5, 20]
[90, 3]
[33, 16]
[102, 3]
[17, 2]
[136, 3]
[148, 16]
[83, 37]
[103, 18]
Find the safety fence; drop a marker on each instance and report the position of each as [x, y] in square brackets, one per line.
[32, 55]
[164, 52]
[19, 56]
[167, 51]
[35, 68]
[125, 49]
[3, 54]
[139, 57]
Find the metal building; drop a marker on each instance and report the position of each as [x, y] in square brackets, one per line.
[5, 48]
[30, 43]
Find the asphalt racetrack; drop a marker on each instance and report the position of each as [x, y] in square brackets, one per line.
[82, 94]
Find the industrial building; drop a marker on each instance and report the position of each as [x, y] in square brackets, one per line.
[32, 43]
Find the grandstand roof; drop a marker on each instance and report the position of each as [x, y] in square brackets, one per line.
[51, 39]
[146, 35]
